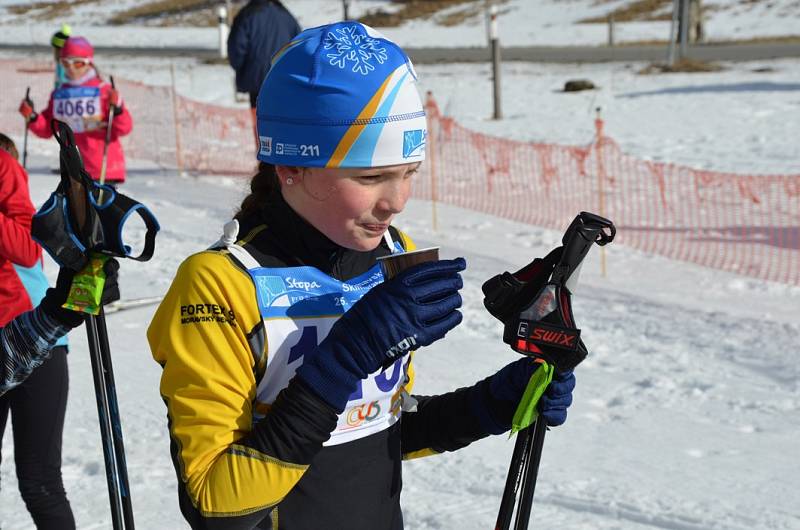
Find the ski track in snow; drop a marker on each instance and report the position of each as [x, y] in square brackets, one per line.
[684, 418]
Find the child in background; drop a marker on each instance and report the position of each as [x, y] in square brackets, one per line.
[57, 41]
[86, 103]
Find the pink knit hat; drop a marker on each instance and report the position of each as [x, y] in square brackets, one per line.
[77, 47]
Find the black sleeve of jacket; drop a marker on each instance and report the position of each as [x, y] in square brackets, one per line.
[293, 431]
[448, 422]
[296, 426]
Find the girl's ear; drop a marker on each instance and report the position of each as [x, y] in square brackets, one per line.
[289, 175]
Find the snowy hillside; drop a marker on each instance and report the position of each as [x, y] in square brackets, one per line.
[521, 22]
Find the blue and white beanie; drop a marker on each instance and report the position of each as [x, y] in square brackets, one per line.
[340, 95]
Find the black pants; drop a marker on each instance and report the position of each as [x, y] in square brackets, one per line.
[37, 409]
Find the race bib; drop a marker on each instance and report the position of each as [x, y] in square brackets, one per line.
[299, 305]
[78, 107]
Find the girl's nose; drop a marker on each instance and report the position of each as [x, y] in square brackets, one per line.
[395, 195]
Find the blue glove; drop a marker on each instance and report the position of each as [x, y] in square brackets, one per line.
[557, 398]
[506, 387]
[415, 308]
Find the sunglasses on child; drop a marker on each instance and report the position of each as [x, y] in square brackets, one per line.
[74, 62]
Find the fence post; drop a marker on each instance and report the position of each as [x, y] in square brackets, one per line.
[684, 28]
[672, 28]
[601, 176]
[430, 147]
[178, 152]
[611, 28]
[495, 46]
[222, 20]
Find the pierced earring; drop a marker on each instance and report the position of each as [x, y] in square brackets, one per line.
[289, 181]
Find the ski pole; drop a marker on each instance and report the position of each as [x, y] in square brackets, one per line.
[110, 424]
[103, 413]
[534, 303]
[79, 234]
[513, 480]
[25, 141]
[114, 417]
[76, 185]
[108, 138]
[521, 479]
[535, 436]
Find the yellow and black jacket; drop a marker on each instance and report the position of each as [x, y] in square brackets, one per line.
[238, 472]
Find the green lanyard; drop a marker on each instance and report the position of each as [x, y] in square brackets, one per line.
[526, 410]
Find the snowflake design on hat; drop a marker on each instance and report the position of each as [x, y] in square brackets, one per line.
[351, 44]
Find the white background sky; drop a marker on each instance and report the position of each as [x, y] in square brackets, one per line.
[687, 411]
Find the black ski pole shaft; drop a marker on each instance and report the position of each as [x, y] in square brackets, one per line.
[103, 413]
[116, 423]
[513, 480]
[534, 456]
[102, 178]
[25, 141]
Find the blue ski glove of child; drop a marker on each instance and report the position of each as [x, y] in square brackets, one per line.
[415, 308]
[507, 386]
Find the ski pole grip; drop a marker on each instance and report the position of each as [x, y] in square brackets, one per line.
[585, 230]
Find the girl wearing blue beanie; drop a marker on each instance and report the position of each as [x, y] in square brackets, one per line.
[286, 355]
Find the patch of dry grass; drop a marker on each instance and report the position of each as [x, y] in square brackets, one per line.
[170, 12]
[782, 39]
[785, 39]
[412, 9]
[681, 66]
[47, 10]
[636, 10]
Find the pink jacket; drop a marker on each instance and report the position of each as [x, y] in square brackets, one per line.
[78, 106]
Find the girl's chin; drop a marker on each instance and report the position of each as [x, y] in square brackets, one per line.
[364, 242]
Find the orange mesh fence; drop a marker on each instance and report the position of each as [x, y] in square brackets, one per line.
[748, 224]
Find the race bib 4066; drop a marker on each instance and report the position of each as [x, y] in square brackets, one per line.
[78, 107]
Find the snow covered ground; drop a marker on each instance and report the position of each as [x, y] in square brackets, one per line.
[687, 411]
[521, 23]
[685, 415]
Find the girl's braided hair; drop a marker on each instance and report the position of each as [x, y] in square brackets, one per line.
[262, 185]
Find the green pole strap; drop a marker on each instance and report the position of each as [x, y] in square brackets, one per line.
[526, 410]
[87, 286]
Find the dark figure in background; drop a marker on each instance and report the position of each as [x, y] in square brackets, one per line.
[259, 30]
